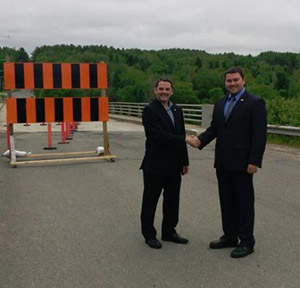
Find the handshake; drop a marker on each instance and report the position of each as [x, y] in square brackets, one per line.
[193, 141]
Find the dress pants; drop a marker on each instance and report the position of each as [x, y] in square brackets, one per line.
[236, 194]
[153, 186]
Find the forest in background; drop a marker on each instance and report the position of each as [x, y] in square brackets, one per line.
[197, 75]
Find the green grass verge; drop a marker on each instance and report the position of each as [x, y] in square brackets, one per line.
[283, 140]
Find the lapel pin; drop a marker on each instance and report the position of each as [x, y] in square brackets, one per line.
[242, 100]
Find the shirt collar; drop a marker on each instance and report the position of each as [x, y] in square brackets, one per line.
[170, 104]
[238, 95]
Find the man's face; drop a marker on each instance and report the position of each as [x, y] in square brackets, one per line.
[234, 82]
[163, 91]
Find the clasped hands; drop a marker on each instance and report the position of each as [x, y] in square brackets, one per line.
[193, 141]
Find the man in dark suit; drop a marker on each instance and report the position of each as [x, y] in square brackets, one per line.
[165, 160]
[239, 124]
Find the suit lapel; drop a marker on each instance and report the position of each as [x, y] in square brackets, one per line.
[177, 118]
[164, 113]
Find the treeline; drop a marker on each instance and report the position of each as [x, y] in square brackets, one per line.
[197, 75]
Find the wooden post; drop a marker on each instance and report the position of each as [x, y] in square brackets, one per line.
[7, 137]
[13, 151]
[105, 134]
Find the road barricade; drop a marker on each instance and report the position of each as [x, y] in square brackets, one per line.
[62, 110]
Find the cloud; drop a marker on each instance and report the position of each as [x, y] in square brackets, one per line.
[240, 26]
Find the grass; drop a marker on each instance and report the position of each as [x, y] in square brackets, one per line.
[283, 140]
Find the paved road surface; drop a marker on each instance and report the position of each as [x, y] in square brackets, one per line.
[77, 225]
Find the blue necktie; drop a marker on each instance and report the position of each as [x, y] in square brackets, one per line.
[230, 107]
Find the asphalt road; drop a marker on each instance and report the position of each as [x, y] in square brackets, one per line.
[77, 225]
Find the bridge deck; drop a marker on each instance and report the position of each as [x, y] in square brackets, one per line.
[77, 225]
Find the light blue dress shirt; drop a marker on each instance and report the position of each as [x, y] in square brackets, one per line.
[237, 98]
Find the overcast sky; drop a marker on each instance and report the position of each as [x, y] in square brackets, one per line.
[216, 26]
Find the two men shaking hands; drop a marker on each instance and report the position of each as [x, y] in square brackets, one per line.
[193, 141]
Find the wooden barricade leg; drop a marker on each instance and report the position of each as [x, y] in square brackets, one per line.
[7, 136]
[105, 139]
[13, 158]
[105, 134]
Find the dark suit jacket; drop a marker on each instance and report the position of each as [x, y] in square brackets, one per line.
[166, 150]
[241, 139]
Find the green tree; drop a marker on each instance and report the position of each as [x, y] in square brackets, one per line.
[198, 62]
[206, 80]
[282, 81]
[22, 55]
[184, 94]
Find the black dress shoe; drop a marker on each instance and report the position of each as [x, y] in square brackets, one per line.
[241, 251]
[222, 243]
[153, 243]
[176, 238]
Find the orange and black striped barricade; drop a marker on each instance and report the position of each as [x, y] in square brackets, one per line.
[64, 110]
[49, 110]
[55, 75]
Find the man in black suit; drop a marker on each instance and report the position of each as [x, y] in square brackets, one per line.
[165, 160]
[239, 124]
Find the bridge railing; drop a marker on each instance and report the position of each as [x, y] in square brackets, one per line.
[127, 108]
[193, 114]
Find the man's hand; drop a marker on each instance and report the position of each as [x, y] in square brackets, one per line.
[193, 141]
[251, 169]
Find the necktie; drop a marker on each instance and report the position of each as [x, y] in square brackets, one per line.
[230, 107]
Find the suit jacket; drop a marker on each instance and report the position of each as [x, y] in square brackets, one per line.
[166, 150]
[241, 139]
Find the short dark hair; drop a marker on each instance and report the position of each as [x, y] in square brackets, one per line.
[233, 70]
[163, 79]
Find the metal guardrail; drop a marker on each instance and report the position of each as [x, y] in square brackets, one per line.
[284, 130]
[127, 108]
[192, 114]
